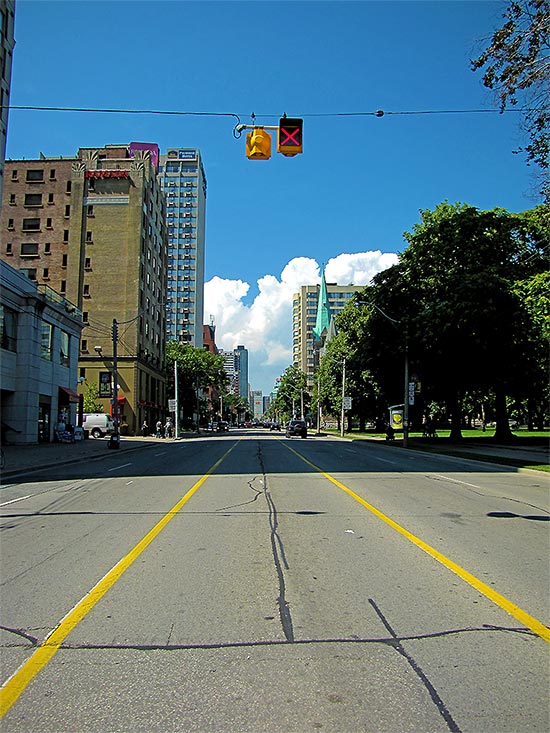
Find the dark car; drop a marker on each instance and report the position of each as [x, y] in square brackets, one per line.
[296, 427]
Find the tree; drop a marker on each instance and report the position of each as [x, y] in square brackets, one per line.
[91, 399]
[197, 368]
[452, 293]
[291, 394]
[516, 65]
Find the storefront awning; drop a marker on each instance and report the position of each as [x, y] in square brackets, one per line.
[71, 394]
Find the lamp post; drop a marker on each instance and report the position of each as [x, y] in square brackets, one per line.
[343, 395]
[396, 323]
[114, 440]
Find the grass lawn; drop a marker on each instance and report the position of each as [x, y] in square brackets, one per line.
[477, 439]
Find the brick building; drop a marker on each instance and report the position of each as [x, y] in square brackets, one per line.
[92, 228]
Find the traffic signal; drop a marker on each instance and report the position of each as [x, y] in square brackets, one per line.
[289, 136]
[258, 144]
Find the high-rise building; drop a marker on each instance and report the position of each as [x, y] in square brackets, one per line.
[313, 307]
[241, 364]
[182, 178]
[92, 228]
[7, 42]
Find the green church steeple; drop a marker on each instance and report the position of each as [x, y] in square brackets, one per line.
[324, 316]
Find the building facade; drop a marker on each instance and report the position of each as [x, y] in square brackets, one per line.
[92, 228]
[7, 43]
[305, 312]
[183, 181]
[39, 342]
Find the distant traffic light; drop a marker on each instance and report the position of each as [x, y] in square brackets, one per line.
[258, 144]
[289, 136]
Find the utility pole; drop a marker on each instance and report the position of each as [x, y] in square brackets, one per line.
[177, 411]
[114, 440]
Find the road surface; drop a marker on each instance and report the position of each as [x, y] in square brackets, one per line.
[249, 582]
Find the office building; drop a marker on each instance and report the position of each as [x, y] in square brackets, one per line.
[92, 228]
[39, 341]
[313, 309]
[183, 181]
[7, 43]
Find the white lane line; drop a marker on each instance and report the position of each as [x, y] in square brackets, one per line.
[384, 460]
[456, 481]
[14, 500]
[116, 468]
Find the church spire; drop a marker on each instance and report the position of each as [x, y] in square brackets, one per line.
[324, 316]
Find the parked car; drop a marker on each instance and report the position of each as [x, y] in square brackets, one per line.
[97, 424]
[296, 427]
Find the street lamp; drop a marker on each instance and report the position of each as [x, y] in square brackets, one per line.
[396, 323]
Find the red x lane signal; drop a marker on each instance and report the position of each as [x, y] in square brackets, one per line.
[289, 138]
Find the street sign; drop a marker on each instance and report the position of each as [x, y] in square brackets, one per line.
[346, 401]
[171, 405]
[411, 393]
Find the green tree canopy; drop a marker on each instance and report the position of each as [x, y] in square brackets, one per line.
[452, 293]
[516, 64]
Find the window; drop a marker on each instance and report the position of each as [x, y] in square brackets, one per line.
[89, 237]
[35, 176]
[90, 211]
[65, 235]
[52, 174]
[46, 274]
[64, 261]
[63, 288]
[12, 199]
[14, 175]
[9, 250]
[69, 186]
[31, 273]
[84, 345]
[10, 224]
[67, 210]
[29, 249]
[47, 248]
[64, 354]
[31, 225]
[86, 291]
[46, 341]
[88, 263]
[49, 223]
[85, 316]
[8, 328]
[50, 198]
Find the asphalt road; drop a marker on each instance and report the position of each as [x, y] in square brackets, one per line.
[256, 583]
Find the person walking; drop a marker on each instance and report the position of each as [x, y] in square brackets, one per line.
[145, 429]
[159, 433]
[168, 428]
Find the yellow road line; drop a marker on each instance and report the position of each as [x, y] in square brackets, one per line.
[16, 684]
[524, 618]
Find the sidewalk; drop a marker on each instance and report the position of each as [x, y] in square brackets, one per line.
[23, 458]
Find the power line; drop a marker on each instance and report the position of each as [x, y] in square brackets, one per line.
[376, 113]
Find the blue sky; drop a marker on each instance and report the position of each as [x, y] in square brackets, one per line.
[361, 180]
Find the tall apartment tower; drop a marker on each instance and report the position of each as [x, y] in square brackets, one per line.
[92, 228]
[183, 181]
[7, 42]
[241, 365]
[310, 310]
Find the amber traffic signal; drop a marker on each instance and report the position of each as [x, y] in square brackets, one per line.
[289, 136]
[258, 144]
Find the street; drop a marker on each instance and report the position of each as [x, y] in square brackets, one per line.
[249, 582]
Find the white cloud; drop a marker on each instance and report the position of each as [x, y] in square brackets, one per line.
[265, 326]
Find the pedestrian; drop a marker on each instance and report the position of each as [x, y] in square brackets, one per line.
[168, 428]
[159, 433]
[145, 429]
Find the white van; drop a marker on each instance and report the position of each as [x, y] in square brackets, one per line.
[98, 424]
